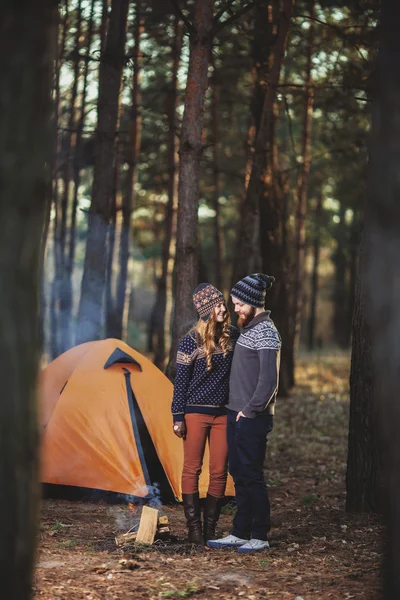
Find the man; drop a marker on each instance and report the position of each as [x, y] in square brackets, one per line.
[253, 387]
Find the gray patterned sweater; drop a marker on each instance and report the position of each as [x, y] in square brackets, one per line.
[254, 375]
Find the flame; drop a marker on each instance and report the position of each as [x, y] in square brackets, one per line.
[131, 506]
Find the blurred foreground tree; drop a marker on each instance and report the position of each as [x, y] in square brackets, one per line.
[382, 276]
[26, 42]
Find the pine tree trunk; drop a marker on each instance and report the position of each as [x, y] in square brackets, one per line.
[382, 247]
[362, 478]
[302, 188]
[54, 291]
[122, 300]
[161, 315]
[27, 41]
[110, 312]
[91, 307]
[268, 54]
[186, 264]
[105, 17]
[340, 292]
[312, 321]
[65, 298]
[217, 255]
[273, 191]
[353, 270]
[77, 165]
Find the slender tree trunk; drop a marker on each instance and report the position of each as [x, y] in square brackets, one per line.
[65, 299]
[69, 137]
[122, 303]
[270, 188]
[191, 147]
[302, 189]
[160, 315]
[275, 249]
[312, 322]
[382, 247]
[341, 288]
[91, 311]
[217, 235]
[77, 165]
[105, 17]
[54, 292]
[353, 272]
[362, 478]
[27, 40]
[267, 47]
[111, 315]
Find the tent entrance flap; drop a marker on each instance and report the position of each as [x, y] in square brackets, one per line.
[153, 471]
[118, 357]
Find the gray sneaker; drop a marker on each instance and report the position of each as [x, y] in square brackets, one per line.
[230, 541]
[254, 546]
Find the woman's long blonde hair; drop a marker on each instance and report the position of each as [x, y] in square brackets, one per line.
[210, 333]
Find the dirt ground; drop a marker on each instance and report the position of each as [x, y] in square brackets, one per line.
[318, 552]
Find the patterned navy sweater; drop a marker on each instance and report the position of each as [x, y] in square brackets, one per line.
[196, 389]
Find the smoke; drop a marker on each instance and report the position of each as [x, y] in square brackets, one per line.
[146, 494]
[129, 520]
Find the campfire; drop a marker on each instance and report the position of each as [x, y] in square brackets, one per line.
[152, 525]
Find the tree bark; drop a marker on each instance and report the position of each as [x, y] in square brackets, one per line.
[217, 233]
[77, 165]
[269, 51]
[27, 40]
[362, 478]
[65, 291]
[382, 246]
[302, 189]
[54, 292]
[191, 147]
[110, 310]
[312, 321]
[353, 273]
[122, 300]
[268, 187]
[161, 314]
[91, 307]
[341, 287]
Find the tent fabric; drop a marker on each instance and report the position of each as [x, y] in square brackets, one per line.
[89, 401]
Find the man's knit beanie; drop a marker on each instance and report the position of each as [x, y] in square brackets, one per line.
[205, 298]
[252, 289]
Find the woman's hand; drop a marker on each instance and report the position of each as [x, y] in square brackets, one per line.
[240, 415]
[180, 429]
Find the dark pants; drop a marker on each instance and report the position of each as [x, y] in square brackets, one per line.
[247, 443]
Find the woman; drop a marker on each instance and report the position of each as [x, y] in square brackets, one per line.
[200, 394]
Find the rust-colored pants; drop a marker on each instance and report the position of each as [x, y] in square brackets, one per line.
[199, 429]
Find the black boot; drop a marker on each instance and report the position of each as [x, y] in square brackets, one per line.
[191, 506]
[212, 510]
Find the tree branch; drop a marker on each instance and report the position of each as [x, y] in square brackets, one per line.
[234, 17]
[179, 13]
[219, 14]
[337, 30]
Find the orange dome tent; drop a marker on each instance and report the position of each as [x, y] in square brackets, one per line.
[105, 418]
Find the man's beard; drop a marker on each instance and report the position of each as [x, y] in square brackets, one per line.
[243, 321]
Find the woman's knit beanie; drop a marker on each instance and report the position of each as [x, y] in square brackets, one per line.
[252, 289]
[205, 298]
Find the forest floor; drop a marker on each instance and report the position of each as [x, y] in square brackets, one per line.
[318, 552]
